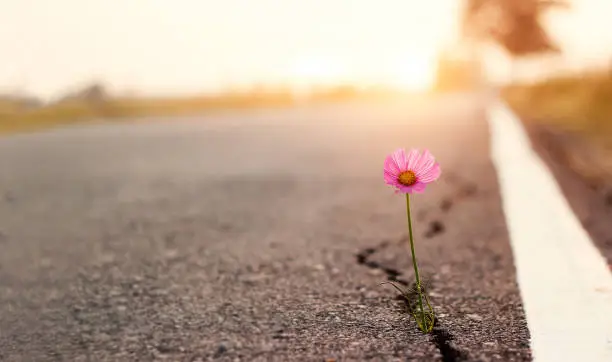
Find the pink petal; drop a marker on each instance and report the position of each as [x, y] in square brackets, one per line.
[419, 187]
[413, 158]
[431, 174]
[399, 157]
[407, 189]
[426, 161]
[404, 189]
[424, 166]
[390, 178]
[391, 166]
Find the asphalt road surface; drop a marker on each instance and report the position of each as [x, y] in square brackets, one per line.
[254, 236]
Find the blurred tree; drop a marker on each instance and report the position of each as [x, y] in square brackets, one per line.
[515, 25]
[94, 93]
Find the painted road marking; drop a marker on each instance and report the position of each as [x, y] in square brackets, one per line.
[565, 283]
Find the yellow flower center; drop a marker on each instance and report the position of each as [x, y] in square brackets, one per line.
[407, 178]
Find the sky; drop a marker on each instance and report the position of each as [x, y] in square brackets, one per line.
[48, 47]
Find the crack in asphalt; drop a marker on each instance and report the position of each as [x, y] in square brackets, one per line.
[391, 273]
[440, 336]
[608, 199]
[435, 227]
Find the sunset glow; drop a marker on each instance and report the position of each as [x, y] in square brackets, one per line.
[312, 70]
[190, 46]
[183, 46]
[408, 72]
[413, 72]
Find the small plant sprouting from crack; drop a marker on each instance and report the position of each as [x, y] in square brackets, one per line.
[440, 336]
[426, 320]
[410, 173]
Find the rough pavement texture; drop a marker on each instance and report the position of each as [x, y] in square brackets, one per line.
[259, 237]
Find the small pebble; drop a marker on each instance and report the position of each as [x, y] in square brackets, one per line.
[371, 294]
[474, 317]
[171, 253]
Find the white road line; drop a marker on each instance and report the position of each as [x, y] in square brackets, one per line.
[565, 283]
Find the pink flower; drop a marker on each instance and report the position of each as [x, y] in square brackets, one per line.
[412, 172]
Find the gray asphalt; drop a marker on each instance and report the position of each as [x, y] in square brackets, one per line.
[253, 236]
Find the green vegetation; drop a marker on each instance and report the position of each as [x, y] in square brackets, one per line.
[581, 103]
[579, 108]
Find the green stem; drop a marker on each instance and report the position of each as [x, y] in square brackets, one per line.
[414, 262]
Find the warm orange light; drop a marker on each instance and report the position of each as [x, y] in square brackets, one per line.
[413, 72]
[409, 72]
[314, 70]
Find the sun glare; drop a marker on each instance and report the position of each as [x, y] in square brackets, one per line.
[314, 70]
[414, 73]
[222, 45]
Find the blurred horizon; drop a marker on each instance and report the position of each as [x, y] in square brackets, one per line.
[162, 48]
[158, 47]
